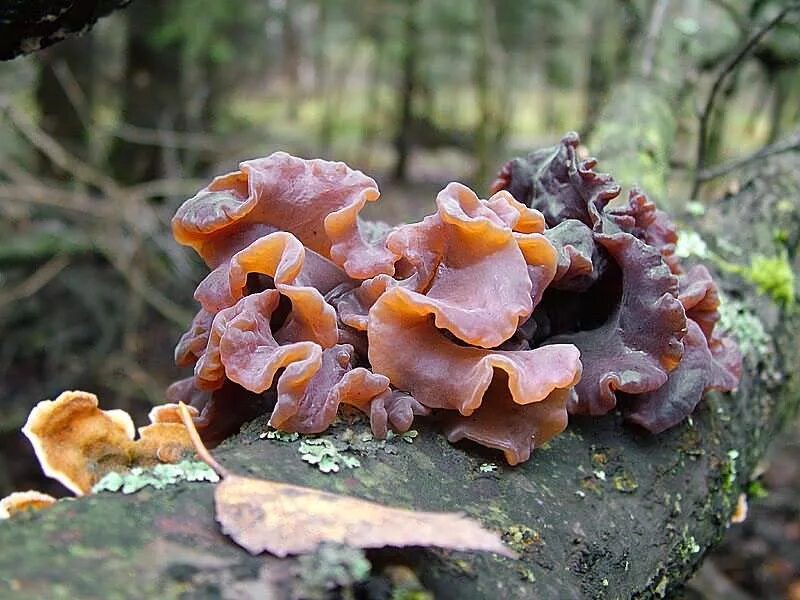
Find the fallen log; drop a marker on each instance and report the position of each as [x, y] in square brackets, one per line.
[603, 511]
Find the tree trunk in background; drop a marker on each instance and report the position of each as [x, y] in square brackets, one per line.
[782, 83]
[484, 138]
[64, 95]
[601, 67]
[610, 51]
[408, 84]
[322, 70]
[152, 94]
[292, 54]
[719, 121]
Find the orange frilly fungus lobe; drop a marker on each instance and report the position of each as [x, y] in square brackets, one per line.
[500, 315]
[315, 200]
[20, 502]
[77, 443]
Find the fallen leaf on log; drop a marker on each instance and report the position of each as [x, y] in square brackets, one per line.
[285, 519]
[288, 519]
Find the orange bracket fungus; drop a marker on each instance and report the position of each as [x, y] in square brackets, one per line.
[20, 502]
[77, 443]
[499, 317]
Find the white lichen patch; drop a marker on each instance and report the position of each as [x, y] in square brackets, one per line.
[691, 244]
[737, 320]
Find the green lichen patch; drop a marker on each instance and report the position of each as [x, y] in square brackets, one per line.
[522, 538]
[157, 477]
[340, 446]
[738, 320]
[592, 484]
[687, 547]
[525, 573]
[771, 275]
[728, 471]
[487, 468]
[322, 453]
[691, 442]
[625, 482]
[281, 436]
[332, 566]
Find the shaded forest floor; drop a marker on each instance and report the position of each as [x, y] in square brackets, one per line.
[760, 558]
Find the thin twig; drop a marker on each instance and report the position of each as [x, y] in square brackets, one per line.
[59, 155]
[163, 305]
[132, 133]
[651, 39]
[785, 145]
[199, 446]
[728, 68]
[40, 278]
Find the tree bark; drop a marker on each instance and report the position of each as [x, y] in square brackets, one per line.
[152, 94]
[30, 26]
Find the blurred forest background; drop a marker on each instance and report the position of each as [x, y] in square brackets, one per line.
[103, 136]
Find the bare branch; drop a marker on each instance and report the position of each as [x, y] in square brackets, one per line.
[59, 155]
[728, 68]
[651, 39]
[787, 144]
[40, 278]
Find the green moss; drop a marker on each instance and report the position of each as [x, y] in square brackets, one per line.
[756, 490]
[773, 276]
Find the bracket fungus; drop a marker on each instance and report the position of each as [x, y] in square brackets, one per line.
[77, 443]
[20, 502]
[498, 317]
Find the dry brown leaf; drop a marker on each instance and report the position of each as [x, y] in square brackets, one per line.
[288, 519]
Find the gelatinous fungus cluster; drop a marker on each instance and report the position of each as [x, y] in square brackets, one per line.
[499, 316]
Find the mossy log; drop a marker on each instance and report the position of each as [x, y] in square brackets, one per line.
[27, 26]
[604, 511]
